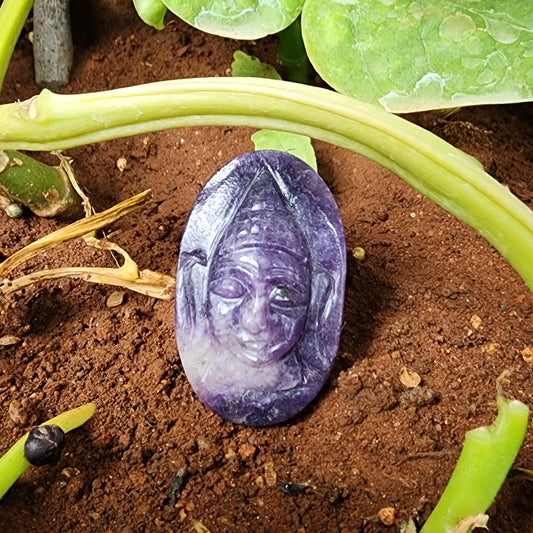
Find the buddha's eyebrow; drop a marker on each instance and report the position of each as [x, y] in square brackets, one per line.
[236, 267]
[285, 271]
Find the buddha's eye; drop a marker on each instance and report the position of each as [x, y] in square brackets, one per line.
[281, 295]
[229, 288]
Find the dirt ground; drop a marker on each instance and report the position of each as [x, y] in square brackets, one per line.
[432, 297]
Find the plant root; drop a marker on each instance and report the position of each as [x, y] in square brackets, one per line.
[127, 276]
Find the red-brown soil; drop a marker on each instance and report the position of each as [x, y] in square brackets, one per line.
[432, 296]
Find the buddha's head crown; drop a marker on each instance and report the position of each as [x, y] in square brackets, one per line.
[262, 220]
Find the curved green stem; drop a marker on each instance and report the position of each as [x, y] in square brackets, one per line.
[13, 14]
[13, 463]
[444, 174]
[488, 454]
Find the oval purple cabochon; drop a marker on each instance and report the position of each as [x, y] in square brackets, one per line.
[260, 288]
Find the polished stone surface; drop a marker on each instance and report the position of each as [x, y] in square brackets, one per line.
[260, 288]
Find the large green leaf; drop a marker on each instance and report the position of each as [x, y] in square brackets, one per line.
[411, 55]
[239, 19]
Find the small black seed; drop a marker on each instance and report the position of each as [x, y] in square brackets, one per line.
[292, 489]
[44, 445]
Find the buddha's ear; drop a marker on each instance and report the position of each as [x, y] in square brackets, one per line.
[318, 311]
[322, 289]
[190, 287]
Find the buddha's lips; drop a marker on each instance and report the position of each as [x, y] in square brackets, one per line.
[256, 351]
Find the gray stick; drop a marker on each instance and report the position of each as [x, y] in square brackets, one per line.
[52, 43]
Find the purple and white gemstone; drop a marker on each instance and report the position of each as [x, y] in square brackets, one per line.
[260, 288]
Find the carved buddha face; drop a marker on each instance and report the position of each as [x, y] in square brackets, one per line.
[260, 288]
[259, 283]
[258, 303]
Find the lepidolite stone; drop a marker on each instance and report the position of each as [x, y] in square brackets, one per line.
[260, 288]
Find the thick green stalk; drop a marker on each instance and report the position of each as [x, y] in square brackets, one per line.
[488, 454]
[13, 463]
[444, 174]
[13, 14]
[45, 190]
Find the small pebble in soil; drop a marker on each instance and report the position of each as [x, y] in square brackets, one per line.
[247, 450]
[475, 321]
[419, 397]
[17, 413]
[359, 254]
[527, 354]
[14, 210]
[70, 471]
[270, 476]
[409, 378]
[177, 484]
[122, 163]
[9, 340]
[387, 515]
[230, 454]
[44, 445]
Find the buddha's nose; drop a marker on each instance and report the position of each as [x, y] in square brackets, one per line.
[254, 318]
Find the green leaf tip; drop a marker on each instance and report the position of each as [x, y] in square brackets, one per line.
[292, 143]
[74, 418]
[152, 12]
[244, 65]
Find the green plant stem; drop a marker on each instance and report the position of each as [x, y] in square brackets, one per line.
[13, 463]
[13, 14]
[452, 179]
[485, 460]
[45, 190]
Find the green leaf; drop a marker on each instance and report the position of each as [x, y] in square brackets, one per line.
[152, 12]
[411, 55]
[298, 145]
[238, 19]
[244, 65]
[292, 54]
